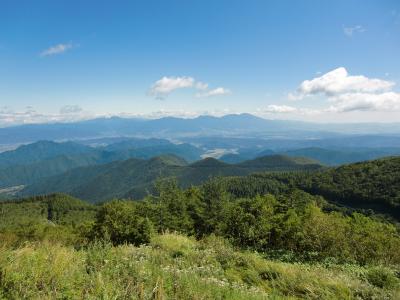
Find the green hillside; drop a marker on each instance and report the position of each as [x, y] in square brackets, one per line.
[35, 152]
[281, 163]
[134, 178]
[343, 156]
[45, 210]
[31, 163]
[372, 185]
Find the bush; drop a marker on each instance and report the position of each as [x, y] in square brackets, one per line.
[381, 277]
[118, 222]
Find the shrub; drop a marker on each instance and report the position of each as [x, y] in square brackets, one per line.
[118, 222]
[381, 277]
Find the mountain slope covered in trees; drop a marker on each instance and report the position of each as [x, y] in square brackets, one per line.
[134, 178]
[31, 163]
[371, 185]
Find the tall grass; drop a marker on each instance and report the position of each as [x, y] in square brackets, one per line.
[177, 267]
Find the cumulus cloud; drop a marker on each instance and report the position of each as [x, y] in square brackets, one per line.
[349, 31]
[215, 92]
[166, 85]
[348, 93]
[339, 81]
[57, 49]
[389, 101]
[163, 87]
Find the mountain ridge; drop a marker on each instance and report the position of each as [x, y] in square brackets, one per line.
[230, 125]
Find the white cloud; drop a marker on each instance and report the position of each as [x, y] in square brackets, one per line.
[286, 109]
[215, 92]
[161, 88]
[70, 113]
[338, 81]
[10, 117]
[350, 93]
[166, 85]
[57, 49]
[201, 85]
[349, 31]
[179, 114]
[389, 101]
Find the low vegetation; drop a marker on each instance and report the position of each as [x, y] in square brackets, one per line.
[173, 266]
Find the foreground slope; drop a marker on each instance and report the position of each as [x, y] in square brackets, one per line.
[177, 267]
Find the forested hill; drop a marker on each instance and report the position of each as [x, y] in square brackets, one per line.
[372, 184]
[134, 178]
[31, 163]
[44, 210]
[366, 185]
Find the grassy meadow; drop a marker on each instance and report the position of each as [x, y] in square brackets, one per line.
[174, 266]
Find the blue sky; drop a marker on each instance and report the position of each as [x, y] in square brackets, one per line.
[67, 60]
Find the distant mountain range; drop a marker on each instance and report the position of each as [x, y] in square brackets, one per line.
[230, 125]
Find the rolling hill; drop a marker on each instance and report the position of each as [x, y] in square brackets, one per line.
[342, 156]
[31, 163]
[35, 152]
[331, 156]
[371, 186]
[134, 178]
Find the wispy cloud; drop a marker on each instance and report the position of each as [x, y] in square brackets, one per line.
[28, 115]
[215, 92]
[166, 85]
[349, 31]
[57, 49]
[274, 108]
[70, 109]
[286, 109]
[74, 113]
